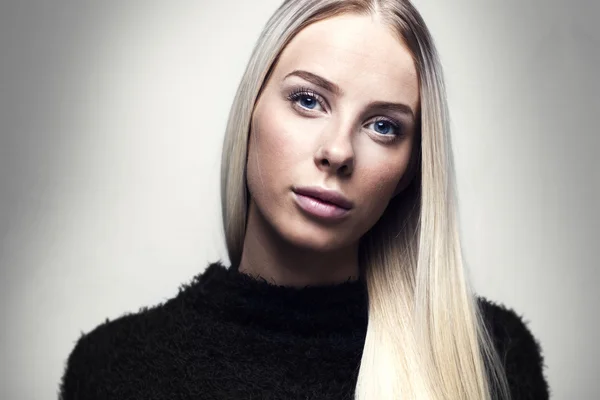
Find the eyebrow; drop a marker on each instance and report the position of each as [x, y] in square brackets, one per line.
[335, 89]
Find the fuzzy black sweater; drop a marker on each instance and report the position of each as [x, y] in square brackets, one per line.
[227, 335]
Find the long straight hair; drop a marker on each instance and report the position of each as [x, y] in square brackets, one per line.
[426, 338]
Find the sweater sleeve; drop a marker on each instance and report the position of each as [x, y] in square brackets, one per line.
[114, 360]
[74, 382]
[88, 369]
[519, 351]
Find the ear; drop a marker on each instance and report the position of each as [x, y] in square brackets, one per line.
[412, 168]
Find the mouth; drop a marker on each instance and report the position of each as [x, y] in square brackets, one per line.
[323, 204]
[325, 196]
[320, 209]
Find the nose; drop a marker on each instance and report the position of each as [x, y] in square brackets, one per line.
[336, 153]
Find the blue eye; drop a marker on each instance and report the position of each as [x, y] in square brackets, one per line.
[306, 98]
[384, 127]
[307, 101]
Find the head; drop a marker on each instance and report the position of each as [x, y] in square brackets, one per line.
[339, 110]
[348, 95]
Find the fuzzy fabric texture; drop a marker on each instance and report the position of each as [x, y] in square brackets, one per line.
[227, 335]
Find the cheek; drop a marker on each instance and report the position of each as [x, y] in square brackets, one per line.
[274, 148]
[280, 137]
[378, 186]
[380, 177]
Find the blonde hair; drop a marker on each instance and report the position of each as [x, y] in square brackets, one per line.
[426, 337]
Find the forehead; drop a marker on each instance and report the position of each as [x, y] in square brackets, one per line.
[360, 54]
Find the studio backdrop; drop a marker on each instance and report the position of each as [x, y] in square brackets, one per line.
[112, 116]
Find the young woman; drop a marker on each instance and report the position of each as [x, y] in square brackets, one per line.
[346, 278]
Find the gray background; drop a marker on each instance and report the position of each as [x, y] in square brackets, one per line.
[111, 120]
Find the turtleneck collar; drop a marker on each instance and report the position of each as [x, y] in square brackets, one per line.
[308, 311]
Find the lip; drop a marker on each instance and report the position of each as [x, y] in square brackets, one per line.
[326, 196]
[319, 209]
[324, 204]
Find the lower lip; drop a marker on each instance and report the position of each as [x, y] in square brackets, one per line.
[320, 209]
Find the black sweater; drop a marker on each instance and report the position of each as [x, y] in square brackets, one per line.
[227, 335]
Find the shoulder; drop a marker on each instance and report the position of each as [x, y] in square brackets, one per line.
[518, 349]
[119, 354]
[105, 353]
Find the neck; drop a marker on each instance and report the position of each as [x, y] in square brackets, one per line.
[270, 256]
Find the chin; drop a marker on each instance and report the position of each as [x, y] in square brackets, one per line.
[319, 239]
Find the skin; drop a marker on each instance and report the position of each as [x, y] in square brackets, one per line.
[327, 139]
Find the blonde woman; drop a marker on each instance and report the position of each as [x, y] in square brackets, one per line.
[338, 196]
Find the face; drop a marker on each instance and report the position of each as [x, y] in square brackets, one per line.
[338, 112]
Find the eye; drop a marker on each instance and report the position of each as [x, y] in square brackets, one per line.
[306, 98]
[387, 127]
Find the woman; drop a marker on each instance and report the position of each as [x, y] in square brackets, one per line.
[338, 199]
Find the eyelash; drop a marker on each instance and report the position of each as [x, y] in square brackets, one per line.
[302, 91]
[296, 94]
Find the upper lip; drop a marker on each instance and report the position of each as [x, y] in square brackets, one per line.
[328, 195]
